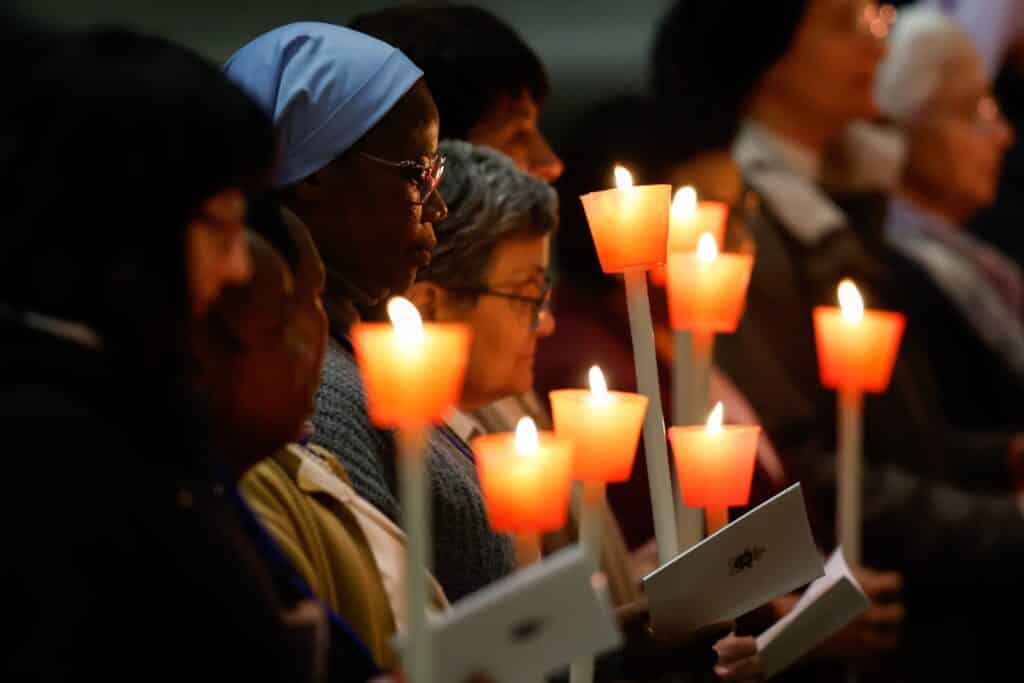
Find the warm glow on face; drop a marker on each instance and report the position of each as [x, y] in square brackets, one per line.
[406, 320]
[715, 419]
[707, 248]
[527, 441]
[850, 302]
[598, 387]
[623, 178]
[684, 203]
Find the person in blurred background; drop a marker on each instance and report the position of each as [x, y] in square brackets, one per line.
[489, 85]
[129, 176]
[360, 170]
[965, 297]
[798, 86]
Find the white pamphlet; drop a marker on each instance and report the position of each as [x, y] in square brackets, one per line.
[765, 553]
[828, 604]
[529, 624]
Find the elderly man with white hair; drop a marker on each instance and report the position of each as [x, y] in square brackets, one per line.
[962, 295]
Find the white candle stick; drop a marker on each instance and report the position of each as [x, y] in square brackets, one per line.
[581, 670]
[416, 520]
[655, 446]
[689, 520]
[850, 474]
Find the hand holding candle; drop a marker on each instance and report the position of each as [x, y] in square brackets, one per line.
[856, 353]
[715, 465]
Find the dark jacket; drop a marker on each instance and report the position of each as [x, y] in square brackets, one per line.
[918, 515]
[126, 556]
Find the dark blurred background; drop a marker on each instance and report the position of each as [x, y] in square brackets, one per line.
[593, 49]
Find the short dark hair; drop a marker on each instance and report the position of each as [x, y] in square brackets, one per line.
[489, 200]
[710, 55]
[119, 139]
[470, 58]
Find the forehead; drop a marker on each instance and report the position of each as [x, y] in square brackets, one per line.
[962, 79]
[521, 258]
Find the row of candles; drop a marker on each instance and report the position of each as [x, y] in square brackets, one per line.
[413, 374]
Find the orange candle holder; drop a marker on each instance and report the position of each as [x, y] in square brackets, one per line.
[524, 491]
[706, 290]
[860, 355]
[605, 432]
[629, 224]
[715, 465]
[857, 348]
[411, 383]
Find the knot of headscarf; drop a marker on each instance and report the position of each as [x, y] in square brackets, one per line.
[325, 87]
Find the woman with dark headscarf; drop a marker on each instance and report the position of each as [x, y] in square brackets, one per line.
[128, 555]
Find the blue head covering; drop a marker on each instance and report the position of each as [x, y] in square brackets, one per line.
[325, 86]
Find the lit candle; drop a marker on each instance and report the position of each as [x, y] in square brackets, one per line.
[707, 289]
[630, 230]
[525, 478]
[604, 427]
[629, 223]
[412, 374]
[856, 348]
[856, 353]
[715, 464]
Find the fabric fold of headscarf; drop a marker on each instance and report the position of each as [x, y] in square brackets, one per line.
[325, 87]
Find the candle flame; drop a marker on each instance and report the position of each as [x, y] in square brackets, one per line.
[527, 440]
[598, 387]
[707, 248]
[406, 320]
[715, 419]
[685, 201]
[850, 301]
[623, 178]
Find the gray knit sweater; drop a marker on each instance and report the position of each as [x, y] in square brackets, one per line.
[468, 555]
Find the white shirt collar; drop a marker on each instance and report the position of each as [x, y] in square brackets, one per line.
[464, 426]
[784, 175]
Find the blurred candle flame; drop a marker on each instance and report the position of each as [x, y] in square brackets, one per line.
[598, 386]
[850, 302]
[715, 419]
[406, 321]
[527, 440]
[684, 204]
[707, 248]
[623, 178]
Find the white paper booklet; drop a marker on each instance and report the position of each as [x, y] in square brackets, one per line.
[527, 625]
[765, 553]
[828, 604]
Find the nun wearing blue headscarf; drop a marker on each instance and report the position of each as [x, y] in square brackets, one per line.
[359, 166]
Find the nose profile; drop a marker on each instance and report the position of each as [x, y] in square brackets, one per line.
[544, 163]
[435, 210]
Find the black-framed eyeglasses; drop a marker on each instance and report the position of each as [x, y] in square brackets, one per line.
[540, 304]
[426, 176]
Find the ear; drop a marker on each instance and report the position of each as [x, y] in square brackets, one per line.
[425, 296]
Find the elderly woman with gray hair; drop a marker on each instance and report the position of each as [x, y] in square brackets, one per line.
[962, 295]
[490, 271]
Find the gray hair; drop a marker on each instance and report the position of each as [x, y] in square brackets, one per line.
[489, 200]
[922, 44]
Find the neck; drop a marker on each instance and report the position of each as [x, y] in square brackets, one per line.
[788, 121]
[938, 203]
